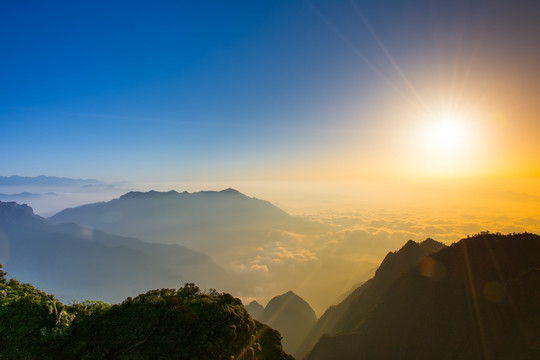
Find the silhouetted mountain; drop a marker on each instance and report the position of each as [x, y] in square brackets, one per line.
[346, 294]
[352, 311]
[477, 299]
[214, 222]
[255, 310]
[292, 316]
[433, 245]
[77, 262]
[45, 181]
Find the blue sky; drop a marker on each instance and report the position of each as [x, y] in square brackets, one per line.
[202, 90]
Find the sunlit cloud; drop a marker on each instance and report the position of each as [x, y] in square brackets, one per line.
[260, 268]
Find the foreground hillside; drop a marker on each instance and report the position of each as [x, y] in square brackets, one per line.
[160, 324]
[477, 299]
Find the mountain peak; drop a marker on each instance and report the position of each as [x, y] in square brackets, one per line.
[255, 310]
[433, 245]
[12, 208]
[292, 316]
[152, 194]
[288, 296]
[254, 303]
[231, 191]
[409, 244]
[226, 192]
[18, 213]
[399, 261]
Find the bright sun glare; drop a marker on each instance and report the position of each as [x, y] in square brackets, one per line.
[448, 145]
[447, 132]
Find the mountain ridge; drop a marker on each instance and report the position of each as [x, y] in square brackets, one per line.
[43, 180]
[54, 256]
[353, 308]
[194, 220]
[470, 300]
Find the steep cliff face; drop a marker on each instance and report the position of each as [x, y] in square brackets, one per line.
[477, 299]
[346, 315]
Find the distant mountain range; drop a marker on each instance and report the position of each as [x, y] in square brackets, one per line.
[37, 191]
[227, 225]
[45, 181]
[24, 196]
[214, 222]
[77, 262]
[477, 299]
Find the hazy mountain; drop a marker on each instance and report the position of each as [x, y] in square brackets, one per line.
[76, 262]
[351, 311]
[45, 181]
[214, 222]
[292, 316]
[477, 299]
[255, 310]
[22, 195]
[50, 194]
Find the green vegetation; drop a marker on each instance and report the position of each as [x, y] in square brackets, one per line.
[30, 320]
[160, 324]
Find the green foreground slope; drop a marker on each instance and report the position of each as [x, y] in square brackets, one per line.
[160, 324]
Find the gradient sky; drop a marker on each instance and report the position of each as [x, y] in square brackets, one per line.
[267, 90]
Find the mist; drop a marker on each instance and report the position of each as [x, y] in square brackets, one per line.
[326, 245]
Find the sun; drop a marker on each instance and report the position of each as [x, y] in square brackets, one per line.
[447, 132]
[447, 144]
